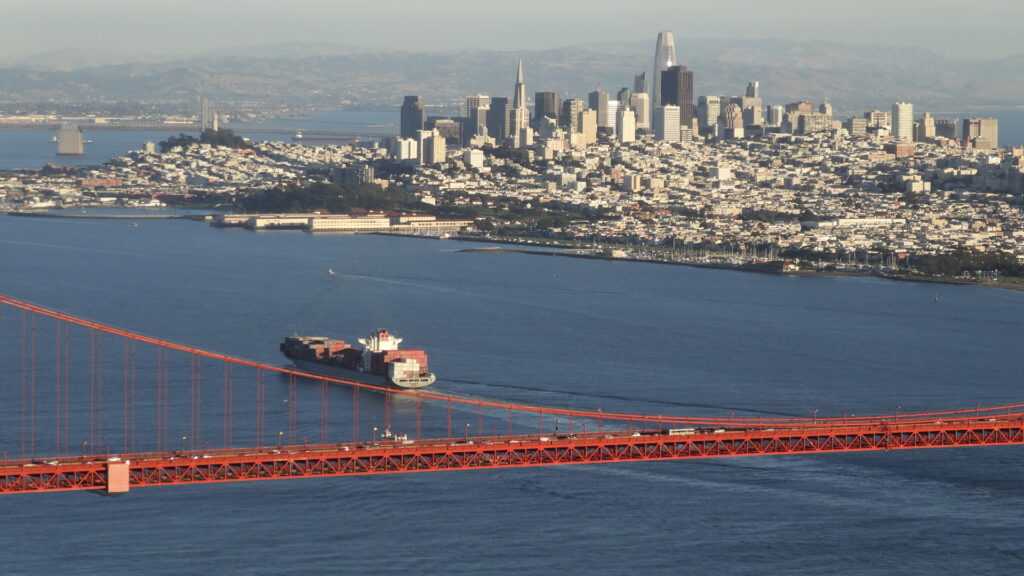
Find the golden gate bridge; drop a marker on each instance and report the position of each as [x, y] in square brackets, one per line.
[88, 406]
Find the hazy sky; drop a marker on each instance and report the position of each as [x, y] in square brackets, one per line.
[975, 28]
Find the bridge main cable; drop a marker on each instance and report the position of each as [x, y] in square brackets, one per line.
[922, 417]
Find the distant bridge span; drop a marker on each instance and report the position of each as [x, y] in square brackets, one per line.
[238, 128]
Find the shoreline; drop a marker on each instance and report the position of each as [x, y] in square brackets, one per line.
[540, 248]
[1015, 286]
[147, 216]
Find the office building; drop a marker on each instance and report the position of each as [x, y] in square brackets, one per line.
[626, 125]
[981, 133]
[599, 101]
[816, 122]
[924, 130]
[640, 102]
[640, 83]
[947, 128]
[856, 126]
[499, 118]
[569, 117]
[611, 122]
[664, 58]
[903, 121]
[802, 107]
[878, 119]
[623, 96]
[709, 108]
[776, 115]
[477, 108]
[431, 147]
[753, 89]
[450, 130]
[733, 125]
[546, 104]
[825, 108]
[477, 101]
[354, 174]
[666, 123]
[413, 116]
[677, 90]
[404, 148]
[588, 126]
[473, 158]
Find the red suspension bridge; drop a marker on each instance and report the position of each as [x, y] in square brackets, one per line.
[87, 406]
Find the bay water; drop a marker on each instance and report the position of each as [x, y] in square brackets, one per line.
[552, 331]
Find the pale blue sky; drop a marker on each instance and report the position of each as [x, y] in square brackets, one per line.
[976, 28]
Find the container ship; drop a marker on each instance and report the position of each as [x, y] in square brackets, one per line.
[378, 362]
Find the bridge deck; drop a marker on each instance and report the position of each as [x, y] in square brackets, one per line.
[306, 461]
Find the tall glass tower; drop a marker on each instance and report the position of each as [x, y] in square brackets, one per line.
[664, 58]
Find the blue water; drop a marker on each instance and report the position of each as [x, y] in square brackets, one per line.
[553, 331]
[33, 149]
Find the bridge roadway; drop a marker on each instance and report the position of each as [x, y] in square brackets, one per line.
[121, 472]
[196, 127]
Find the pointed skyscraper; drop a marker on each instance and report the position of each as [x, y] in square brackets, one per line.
[520, 129]
[519, 96]
[664, 58]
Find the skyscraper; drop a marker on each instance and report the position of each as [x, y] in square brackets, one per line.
[677, 90]
[569, 118]
[477, 101]
[903, 121]
[588, 126]
[640, 102]
[413, 116]
[640, 83]
[520, 129]
[664, 58]
[946, 127]
[753, 89]
[613, 115]
[599, 102]
[432, 146]
[926, 129]
[546, 104]
[666, 123]
[499, 118]
[733, 121]
[709, 108]
[982, 133]
[776, 115]
[477, 108]
[626, 125]
[623, 96]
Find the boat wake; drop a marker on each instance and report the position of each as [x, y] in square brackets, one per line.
[724, 409]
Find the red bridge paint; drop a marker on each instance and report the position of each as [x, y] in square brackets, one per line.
[619, 437]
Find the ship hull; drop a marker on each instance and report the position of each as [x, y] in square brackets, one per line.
[358, 376]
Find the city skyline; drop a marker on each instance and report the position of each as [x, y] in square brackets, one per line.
[190, 28]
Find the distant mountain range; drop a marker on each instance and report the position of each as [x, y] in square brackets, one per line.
[853, 77]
